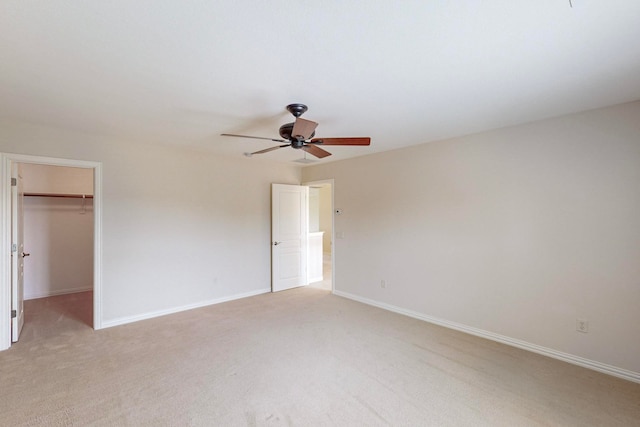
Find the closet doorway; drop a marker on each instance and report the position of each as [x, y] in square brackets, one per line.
[61, 217]
[320, 266]
[58, 236]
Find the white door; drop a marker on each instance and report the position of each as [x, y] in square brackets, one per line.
[289, 229]
[17, 252]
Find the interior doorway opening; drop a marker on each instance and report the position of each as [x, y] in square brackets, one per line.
[58, 235]
[321, 235]
[91, 288]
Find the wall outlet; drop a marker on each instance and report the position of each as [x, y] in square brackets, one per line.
[582, 325]
[383, 284]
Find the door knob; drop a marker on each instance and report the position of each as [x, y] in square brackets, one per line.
[24, 254]
[276, 243]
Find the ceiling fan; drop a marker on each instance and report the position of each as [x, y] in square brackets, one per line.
[299, 135]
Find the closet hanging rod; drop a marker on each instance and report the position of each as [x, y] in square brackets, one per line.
[71, 196]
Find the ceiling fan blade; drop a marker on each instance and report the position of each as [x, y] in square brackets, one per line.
[266, 150]
[341, 141]
[303, 128]
[254, 137]
[316, 151]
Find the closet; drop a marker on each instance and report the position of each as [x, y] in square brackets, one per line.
[58, 230]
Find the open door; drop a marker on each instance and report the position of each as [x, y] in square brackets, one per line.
[289, 230]
[17, 252]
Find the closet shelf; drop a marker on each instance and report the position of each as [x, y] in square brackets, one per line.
[70, 196]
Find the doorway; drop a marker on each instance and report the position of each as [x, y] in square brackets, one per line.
[321, 271]
[58, 236]
[39, 200]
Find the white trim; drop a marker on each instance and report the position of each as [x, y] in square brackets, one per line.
[97, 246]
[545, 351]
[158, 313]
[51, 161]
[37, 295]
[5, 253]
[5, 235]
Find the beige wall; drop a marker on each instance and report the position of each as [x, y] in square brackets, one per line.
[326, 215]
[517, 231]
[58, 233]
[314, 210]
[63, 180]
[179, 227]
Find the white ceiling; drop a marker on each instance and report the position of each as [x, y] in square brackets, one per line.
[403, 73]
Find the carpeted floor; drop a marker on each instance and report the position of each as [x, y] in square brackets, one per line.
[302, 357]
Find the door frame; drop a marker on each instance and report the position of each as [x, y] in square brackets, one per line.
[6, 159]
[333, 226]
[17, 253]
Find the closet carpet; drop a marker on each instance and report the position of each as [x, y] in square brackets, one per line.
[302, 357]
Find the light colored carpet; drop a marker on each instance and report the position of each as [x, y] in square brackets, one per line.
[301, 357]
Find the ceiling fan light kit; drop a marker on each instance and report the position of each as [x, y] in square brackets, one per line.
[299, 135]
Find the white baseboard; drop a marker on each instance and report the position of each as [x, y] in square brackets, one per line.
[44, 294]
[158, 313]
[570, 358]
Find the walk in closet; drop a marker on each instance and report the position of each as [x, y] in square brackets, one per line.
[58, 230]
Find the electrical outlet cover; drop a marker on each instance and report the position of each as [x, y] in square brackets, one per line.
[582, 325]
